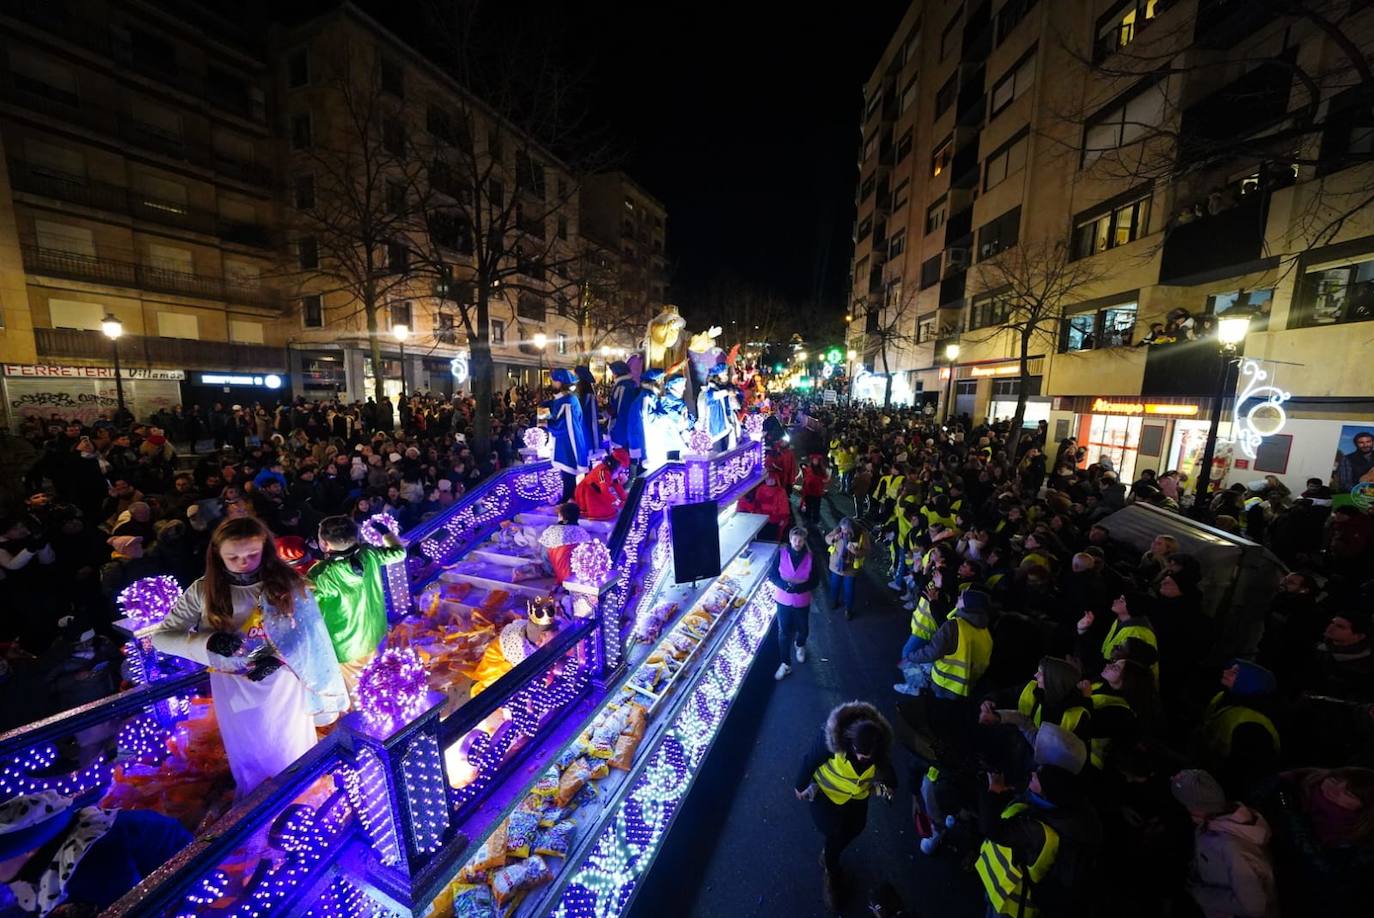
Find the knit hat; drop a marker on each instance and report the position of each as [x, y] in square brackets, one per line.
[1252, 680]
[1058, 747]
[412, 452]
[394, 457]
[128, 546]
[975, 601]
[1198, 790]
[445, 484]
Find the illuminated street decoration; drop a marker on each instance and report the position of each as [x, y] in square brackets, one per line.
[1263, 419]
[460, 368]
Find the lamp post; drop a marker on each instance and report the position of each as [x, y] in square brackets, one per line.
[1231, 332]
[951, 355]
[113, 329]
[401, 333]
[541, 341]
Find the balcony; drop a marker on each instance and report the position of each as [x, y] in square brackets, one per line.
[135, 350]
[1221, 242]
[1223, 24]
[964, 169]
[94, 269]
[76, 189]
[952, 288]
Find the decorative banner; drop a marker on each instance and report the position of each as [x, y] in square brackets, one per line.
[1263, 419]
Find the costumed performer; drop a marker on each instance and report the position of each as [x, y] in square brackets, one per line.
[591, 415]
[54, 853]
[559, 540]
[566, 430]
[348, 588]
[624, 393]
[601, 492]
[718, 409]
[665, 430]
[517, 641]
[273, 674]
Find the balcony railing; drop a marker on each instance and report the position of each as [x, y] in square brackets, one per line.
[137, 350]
[80, 266]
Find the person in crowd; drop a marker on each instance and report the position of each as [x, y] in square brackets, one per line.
[957, 654]
[667, 424]
[1232, 869]
[846, 764]
[770, 500]
[566, 429]
[815, 481]
[1324, 842]
[1238, 742]
[1344, 662]
[349, 588]
[619, 408]
[273, 673]
[1125, 625]
[848, 549]
[516, 642]
[794, 574]
[559, 540]
[718, 407]
[601, 492]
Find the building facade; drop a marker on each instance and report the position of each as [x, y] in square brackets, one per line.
[628, 229]
[158, 163]
[1138, 137]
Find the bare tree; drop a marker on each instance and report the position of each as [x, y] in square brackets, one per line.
[601, 305]
[353, 229]
[889, 328]
[1033, 287]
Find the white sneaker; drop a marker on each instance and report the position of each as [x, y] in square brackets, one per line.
[894, 585]
[930, 845]
[801, 654]
[783, 672]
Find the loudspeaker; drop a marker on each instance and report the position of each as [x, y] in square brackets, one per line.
[696, 541]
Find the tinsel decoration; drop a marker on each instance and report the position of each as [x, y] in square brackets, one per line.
[392, 689]
[148, 600]
[591, 562]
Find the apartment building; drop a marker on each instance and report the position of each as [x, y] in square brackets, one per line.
[620, 217]
[160, 159]
[993, 125]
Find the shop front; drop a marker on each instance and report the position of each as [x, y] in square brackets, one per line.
[234, 388]
[86, 393]
[320, 375]
[1136, 433]
[989, 390]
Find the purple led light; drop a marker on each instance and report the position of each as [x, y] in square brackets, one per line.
[392, 689]
[753, 425]
[149, 599]
[366, 787]
[368, 533]
[591, 561]
[536, 438]
[699, 441]
[16, 775]
[422, 772]
[143, 739]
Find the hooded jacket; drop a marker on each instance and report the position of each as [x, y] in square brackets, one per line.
[1232, 873]
[831, 741]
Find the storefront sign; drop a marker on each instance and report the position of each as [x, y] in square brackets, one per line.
[1102, 406]
[62, 372]
[1009, 369]
[269, 380]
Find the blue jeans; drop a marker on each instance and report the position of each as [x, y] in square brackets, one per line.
[899, 569]
[840, 583]
[913, 644]
[793, 626]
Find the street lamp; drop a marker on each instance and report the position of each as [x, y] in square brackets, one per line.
[951, 355]
[541, 341]
[401, 333]
[1231, 332]
[113, 329]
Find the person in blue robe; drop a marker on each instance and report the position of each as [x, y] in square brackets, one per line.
[621, 408]
[718, 409]
[666, 425]
[565, 427]
[591, 416]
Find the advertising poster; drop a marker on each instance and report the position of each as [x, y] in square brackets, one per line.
[1352, 476]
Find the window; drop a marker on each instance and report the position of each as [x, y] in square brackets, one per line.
[1338, 294]
[446, 328]
[312, 311]
[563, 229]
[1113, 224]
[64, 237]
[870, 145]
[300, 132]
[158, 120]
[1000, 234]
[393, 78]
[531, 306]
[1113, 326]
[1118, 28]
[178, 325]
[394, 136]
[945, 96]
[496, 192]
[244, 332]
[1257, 303]
[400, 314]
[562, 343]
[865, 228]
[899, 195]
[529, 174]
[866, 187]
[861, 272]
[42, 76]
[873, 103]
[935, 214]
[450, 230]
[395, 197]
[439, 122]
[1124, 122]
[949, 38]
[304, 188]
[298, 68]
[925, 329]
[308, 253]
[912, 46]
[1010, 17]
[908, 96]
[75, 314]
[498, 331]
[930, 272]
[897, 244]
[397, 257]
[1012, 86]
[495, 148]
[988, 309]
[939, 160]
[904, 146]
[1008, 159]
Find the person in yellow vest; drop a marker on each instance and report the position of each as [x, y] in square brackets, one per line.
[1127, 625]
[930, 606]
[1032, 841]
[848, 547]
[844, 456]
[848, 762]
[1238, 741]
[957, 655]
[1125, 706]
[1052, 697]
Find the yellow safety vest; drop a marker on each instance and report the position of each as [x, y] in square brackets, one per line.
[1004, 880]
[1117, 635]
[1099, 745]
[1030, 706]
[923, 623]
[957, 672]
[933, 517]
[840, 782]
[858, 560]
[1222, 720]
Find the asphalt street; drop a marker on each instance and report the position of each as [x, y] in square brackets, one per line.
[744, 845]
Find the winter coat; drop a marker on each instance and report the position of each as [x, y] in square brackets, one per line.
[831, 741]
[1232, 873]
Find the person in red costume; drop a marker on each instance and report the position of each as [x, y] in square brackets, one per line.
[559, 540]
[601, 493]
[771, 500]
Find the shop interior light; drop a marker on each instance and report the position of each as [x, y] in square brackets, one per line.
[851, 353]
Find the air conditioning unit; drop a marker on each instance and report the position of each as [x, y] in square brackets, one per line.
[957, 256]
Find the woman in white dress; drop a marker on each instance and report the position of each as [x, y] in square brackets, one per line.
[254, 623]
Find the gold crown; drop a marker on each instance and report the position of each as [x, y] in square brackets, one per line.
[540, 610]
